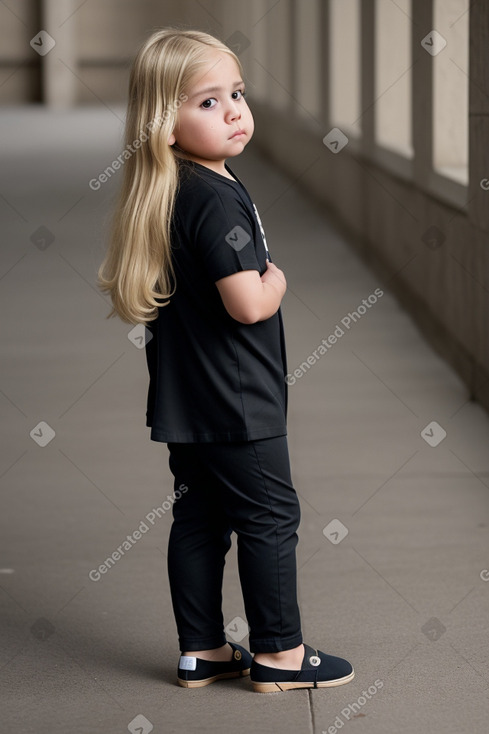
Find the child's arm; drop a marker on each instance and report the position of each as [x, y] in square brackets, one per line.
[249, 298]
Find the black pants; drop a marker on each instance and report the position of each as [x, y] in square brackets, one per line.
[243, 487]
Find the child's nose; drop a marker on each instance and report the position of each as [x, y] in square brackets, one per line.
[233, 112]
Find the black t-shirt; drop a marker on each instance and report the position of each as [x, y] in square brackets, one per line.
[213, 378]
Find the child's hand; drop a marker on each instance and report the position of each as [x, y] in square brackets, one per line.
[275, 277]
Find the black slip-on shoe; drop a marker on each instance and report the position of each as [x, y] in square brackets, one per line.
[195, 672]
[318, 670]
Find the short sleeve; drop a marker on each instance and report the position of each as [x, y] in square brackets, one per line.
[222, 233]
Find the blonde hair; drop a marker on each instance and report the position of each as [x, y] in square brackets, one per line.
[137, 271]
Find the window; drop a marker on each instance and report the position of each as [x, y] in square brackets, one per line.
[392, 109]
[451, 89]
[344, 45]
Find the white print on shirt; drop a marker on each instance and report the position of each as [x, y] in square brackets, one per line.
[262, 231]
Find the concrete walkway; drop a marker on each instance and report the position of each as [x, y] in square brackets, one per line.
[389, 457]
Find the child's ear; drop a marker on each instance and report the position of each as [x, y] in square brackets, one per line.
[172, 140]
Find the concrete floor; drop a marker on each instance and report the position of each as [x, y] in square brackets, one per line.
[403, 595]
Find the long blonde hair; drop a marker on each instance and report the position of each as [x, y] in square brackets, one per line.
[137, 271]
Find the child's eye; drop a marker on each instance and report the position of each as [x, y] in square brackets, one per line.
[208, 104]
[240, 93]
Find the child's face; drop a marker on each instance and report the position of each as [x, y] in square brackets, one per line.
[215, 111]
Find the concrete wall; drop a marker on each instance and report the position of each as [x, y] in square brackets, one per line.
[388, 205]
[20, 66]
[95, 44]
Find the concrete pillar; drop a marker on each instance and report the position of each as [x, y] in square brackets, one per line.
[325, 63]
[279, 57]
[59, 81]
[422, 93]
[367, 79]
[479, 116]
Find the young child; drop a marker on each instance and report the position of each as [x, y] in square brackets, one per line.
[188, 258]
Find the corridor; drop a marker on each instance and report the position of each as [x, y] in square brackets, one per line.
[388, 454]
[369, 168]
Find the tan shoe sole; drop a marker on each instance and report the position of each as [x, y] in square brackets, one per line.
[207, 681]
[276, 687]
